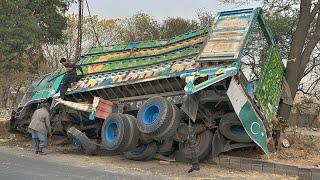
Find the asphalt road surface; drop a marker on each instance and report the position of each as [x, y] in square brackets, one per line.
[18, 163]
[16, 167]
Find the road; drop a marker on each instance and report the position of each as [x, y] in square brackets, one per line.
[16, 167]
[21, 163]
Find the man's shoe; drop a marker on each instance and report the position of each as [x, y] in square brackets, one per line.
[36, 152]
[42, 153]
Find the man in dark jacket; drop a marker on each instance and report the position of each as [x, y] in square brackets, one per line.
[13, 119]
[70, 76]
[40, 127]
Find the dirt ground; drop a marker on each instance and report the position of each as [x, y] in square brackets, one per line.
[304, 150]
[67, 154]
[299, 153]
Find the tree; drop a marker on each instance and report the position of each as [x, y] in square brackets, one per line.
[139, 27]
[143, 27]
[105, 33]
[25, 25]
[175, 26]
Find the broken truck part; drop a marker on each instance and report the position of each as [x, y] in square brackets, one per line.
[139, 97]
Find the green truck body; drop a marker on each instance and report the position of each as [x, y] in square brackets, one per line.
[205, 64]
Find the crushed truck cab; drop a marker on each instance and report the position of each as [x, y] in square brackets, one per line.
[154, 89]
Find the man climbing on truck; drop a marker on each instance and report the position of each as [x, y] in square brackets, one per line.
[70, 76]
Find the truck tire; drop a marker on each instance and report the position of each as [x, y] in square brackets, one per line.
[171, 127]
[165, 147]
[114, 132]
[81, 141]
[231, 127]
[157, 118]
[145, 138]
[133, 131]
[203, 144]
[142, 152]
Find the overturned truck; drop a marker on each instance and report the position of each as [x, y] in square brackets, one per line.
[143, 98]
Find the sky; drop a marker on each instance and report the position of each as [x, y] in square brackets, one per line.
[160, 9]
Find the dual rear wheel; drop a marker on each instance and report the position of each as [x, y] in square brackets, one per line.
[157, 120]
[155, 130]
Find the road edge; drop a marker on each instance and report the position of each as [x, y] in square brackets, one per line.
[244, 164]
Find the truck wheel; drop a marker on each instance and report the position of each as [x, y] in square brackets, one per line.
[113, 132]
[142, 152]
[231, 127]
[203, 147]
[81, 141]
[165, 147]
[172, 126]
[145, 138]
[157, 118]
[78, 144]
[133, 131]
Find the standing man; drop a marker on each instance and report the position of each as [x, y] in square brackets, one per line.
[12, 119]
[40, 127]
[70, 76]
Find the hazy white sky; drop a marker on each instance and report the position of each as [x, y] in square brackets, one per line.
[159, 9]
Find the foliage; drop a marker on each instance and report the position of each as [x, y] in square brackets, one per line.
[139, 27]
[106, 33]
[175, 26]
[25, 25]
[143, 27]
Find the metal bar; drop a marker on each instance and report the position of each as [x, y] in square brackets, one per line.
[134, 98]
[152, 87]
[120, 91]
[105, 93]
[178, 83]
[134, 87]
[142, 88]
[91, 94]
[83, 97]
[163, 89]
[169, 84]
[74, 97]
[99, 94]
[128, 90]
[115, 94]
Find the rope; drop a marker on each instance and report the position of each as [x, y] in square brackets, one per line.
[91, 22]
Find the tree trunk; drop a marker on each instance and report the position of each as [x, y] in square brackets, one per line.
[300, 50]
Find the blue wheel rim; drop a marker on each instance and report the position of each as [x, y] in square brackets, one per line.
[150, 114]
[237, 129]
[111, 131]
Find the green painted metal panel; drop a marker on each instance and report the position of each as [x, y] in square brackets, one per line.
[214, 75]
[249, 118]
[229, 35]
[43, 88]
[254, 126]
[269, 90]
[132, 63]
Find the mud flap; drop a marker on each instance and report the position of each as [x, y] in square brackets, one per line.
[221, 144]
[249, 118]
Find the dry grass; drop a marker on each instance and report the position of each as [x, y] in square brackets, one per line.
[304, 151]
